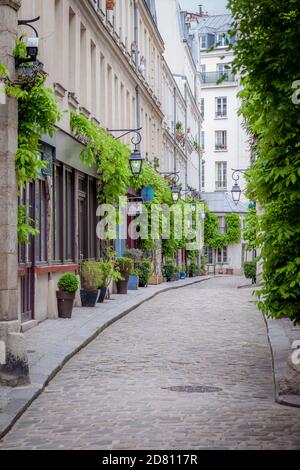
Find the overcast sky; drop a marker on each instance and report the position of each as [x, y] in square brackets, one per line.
[213, 7]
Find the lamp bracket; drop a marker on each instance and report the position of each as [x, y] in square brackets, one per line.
[136, 140]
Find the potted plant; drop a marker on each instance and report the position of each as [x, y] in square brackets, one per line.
[168, 272]
[91, 279]
[144, 270]
[250, 270]
[125, 267]
[192, 269]
[136, 255]
[182, 273]
[68, 285]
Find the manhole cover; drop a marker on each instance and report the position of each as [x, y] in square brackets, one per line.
[193, 389]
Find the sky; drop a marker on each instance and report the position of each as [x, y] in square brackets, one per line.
[213, 7]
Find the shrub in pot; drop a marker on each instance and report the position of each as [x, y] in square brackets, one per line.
[125, 267]
[192, 269]
[250, 270]
[144, 270]
[168, 272]
[91, 279]
[136, 256]
[68, 285]
[108, 273]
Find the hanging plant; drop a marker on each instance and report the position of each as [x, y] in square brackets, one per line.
[38, 113]
[110, 156]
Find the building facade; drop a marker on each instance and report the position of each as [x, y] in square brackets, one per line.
[223, 139]
[107, 65]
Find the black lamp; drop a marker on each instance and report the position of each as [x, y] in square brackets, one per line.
[175, 193]
[236, 193]
[136, 162]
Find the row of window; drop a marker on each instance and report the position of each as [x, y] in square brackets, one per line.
[74, 204]
[218, 257]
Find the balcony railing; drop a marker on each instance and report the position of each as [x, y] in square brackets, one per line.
[211, 78]
[221, 185]
[221, 147]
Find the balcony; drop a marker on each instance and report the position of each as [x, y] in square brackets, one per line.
[211, 78]
[221, 185]
[221, 148]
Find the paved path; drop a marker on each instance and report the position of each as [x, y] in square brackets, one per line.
[113, 394]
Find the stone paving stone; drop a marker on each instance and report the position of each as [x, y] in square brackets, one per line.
[112, 394]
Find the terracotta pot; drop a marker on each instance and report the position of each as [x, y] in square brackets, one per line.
[65, 302]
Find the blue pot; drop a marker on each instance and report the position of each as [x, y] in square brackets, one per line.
[182, 276]
[133, 283]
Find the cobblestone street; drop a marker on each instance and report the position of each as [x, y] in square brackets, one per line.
[114, 394]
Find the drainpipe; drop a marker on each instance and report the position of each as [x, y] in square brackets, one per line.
[186, 124]
[200, 159]
[136, 34]
[175, 119]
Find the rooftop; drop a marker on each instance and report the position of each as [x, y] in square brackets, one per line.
[222, 203]
[215, 23]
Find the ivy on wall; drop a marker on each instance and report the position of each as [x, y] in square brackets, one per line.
[212, 236]
[267, 57]
[38, 113]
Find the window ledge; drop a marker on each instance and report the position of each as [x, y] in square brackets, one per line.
[56, 268]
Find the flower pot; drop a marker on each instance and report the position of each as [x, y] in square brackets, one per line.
[122, 287]
[102, 295]
[89, 297]
[133, 283]
[65, 302]
[182, 276]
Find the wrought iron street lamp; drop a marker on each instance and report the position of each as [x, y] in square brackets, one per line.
[135, 161]
[176, 190]
[175, 193]
[32, 43]
[236, 191]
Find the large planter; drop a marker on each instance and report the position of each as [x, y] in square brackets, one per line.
[182, 276]
[89, 297]
[102, 295]
[65, 302]
[122, 287]
[133, 283]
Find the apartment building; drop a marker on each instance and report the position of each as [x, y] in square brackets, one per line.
[223, 139]
[103, 60]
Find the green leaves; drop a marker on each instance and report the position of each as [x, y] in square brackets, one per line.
[213, 237]
[3, 71]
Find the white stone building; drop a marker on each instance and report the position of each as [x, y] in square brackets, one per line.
[223, 139]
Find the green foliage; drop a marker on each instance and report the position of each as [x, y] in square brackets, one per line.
[250, 269]
[134, 254]
[144, 270]
[3, 71]
[110, 156]
[215, 239]
[192, 269]
[267, 57]
[68, 283]
[108, 273]
[250, 233]
[91, 276]
[25, 225]
[168, 272]
[125, 267]
[20, 50]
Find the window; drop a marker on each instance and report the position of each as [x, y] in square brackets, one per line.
[69, 226]
[57, 213]
[202, 140]
[203, 42]
[223, 70]
[222, 255]
[222, 40]
[202, 69]
[221, 141]
[221, 176]
[203, 174]
[202, 106]
[41, 221]
[221, 107]
[209, 254]
[222, 224]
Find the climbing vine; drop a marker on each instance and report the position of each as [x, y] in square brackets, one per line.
[108, 154]
[212, 236]
[267, 56]
[38, 113]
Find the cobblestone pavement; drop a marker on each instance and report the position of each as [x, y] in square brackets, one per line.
[113, 394]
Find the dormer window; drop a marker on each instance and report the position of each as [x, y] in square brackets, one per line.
[203, 41]
[222, 40]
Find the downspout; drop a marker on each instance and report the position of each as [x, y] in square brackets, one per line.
[186, 124]
[175, 119]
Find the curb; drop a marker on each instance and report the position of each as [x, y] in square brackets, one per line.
[37, 391]
[280, 350]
